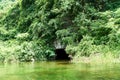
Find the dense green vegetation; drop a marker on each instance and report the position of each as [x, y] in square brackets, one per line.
[87, 27]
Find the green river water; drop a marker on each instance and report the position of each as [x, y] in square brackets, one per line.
[59, 71]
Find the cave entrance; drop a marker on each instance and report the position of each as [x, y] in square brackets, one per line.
[61, 54]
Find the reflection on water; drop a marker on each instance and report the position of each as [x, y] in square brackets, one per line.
[59, 71]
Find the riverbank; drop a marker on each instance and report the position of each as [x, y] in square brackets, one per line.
[96, 60]
[30, 28]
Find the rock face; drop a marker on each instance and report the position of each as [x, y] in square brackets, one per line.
[59, 45]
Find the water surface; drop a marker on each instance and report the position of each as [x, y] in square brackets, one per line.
[59, 71]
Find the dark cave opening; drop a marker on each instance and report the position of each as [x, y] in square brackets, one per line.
[61, 54]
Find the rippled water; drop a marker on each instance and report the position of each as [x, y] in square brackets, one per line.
[59, 71]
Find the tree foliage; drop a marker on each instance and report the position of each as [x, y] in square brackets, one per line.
[79, 23]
